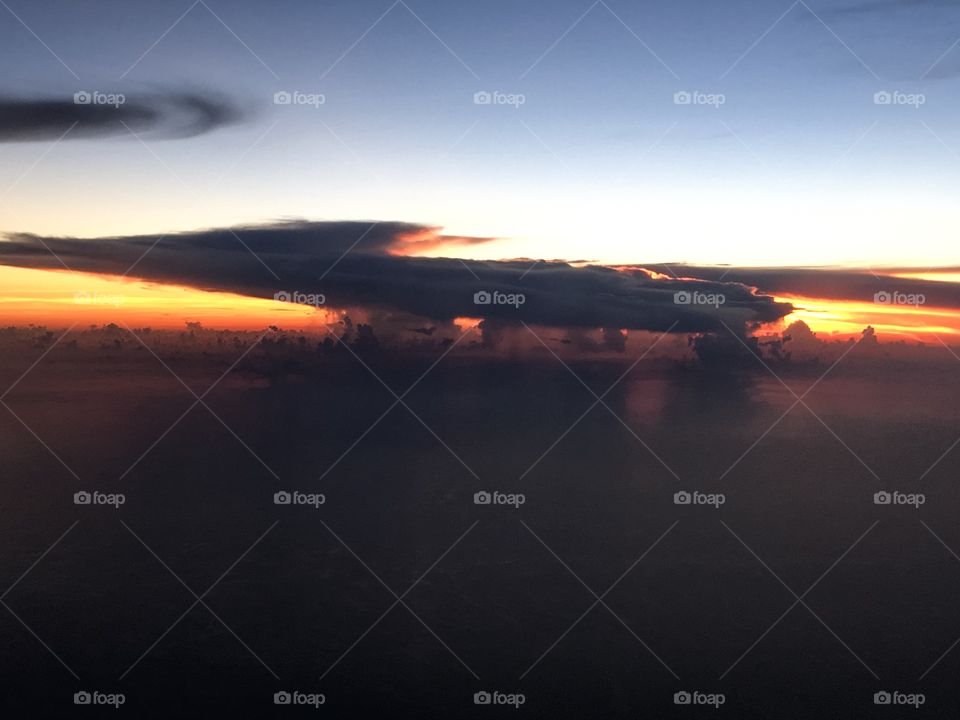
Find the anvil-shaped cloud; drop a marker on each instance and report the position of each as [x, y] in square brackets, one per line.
[362, 264]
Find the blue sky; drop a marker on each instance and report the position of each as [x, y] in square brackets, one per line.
[798, 165]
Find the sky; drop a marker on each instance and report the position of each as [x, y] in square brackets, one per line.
[741, 133]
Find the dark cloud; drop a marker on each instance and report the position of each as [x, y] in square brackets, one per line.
[172, 115]
[858, 285]
[361, 264]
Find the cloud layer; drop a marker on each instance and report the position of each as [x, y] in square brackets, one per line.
[172, 114]
[362, 264]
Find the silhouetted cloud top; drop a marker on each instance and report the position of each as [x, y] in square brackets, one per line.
[89, 114]
[362, 264]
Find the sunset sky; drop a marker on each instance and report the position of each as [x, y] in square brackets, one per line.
[784, 158]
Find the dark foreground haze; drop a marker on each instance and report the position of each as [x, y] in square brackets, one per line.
[701, 599]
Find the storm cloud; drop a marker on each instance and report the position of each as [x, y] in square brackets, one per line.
[98, 114]
[363, 264]
[848, 284]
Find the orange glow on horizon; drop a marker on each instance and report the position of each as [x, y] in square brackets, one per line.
[845, 318]
[58, 298]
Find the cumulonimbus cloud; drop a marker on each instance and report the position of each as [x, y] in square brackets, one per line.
[846, 284]
[93, 114]
[363, 264]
